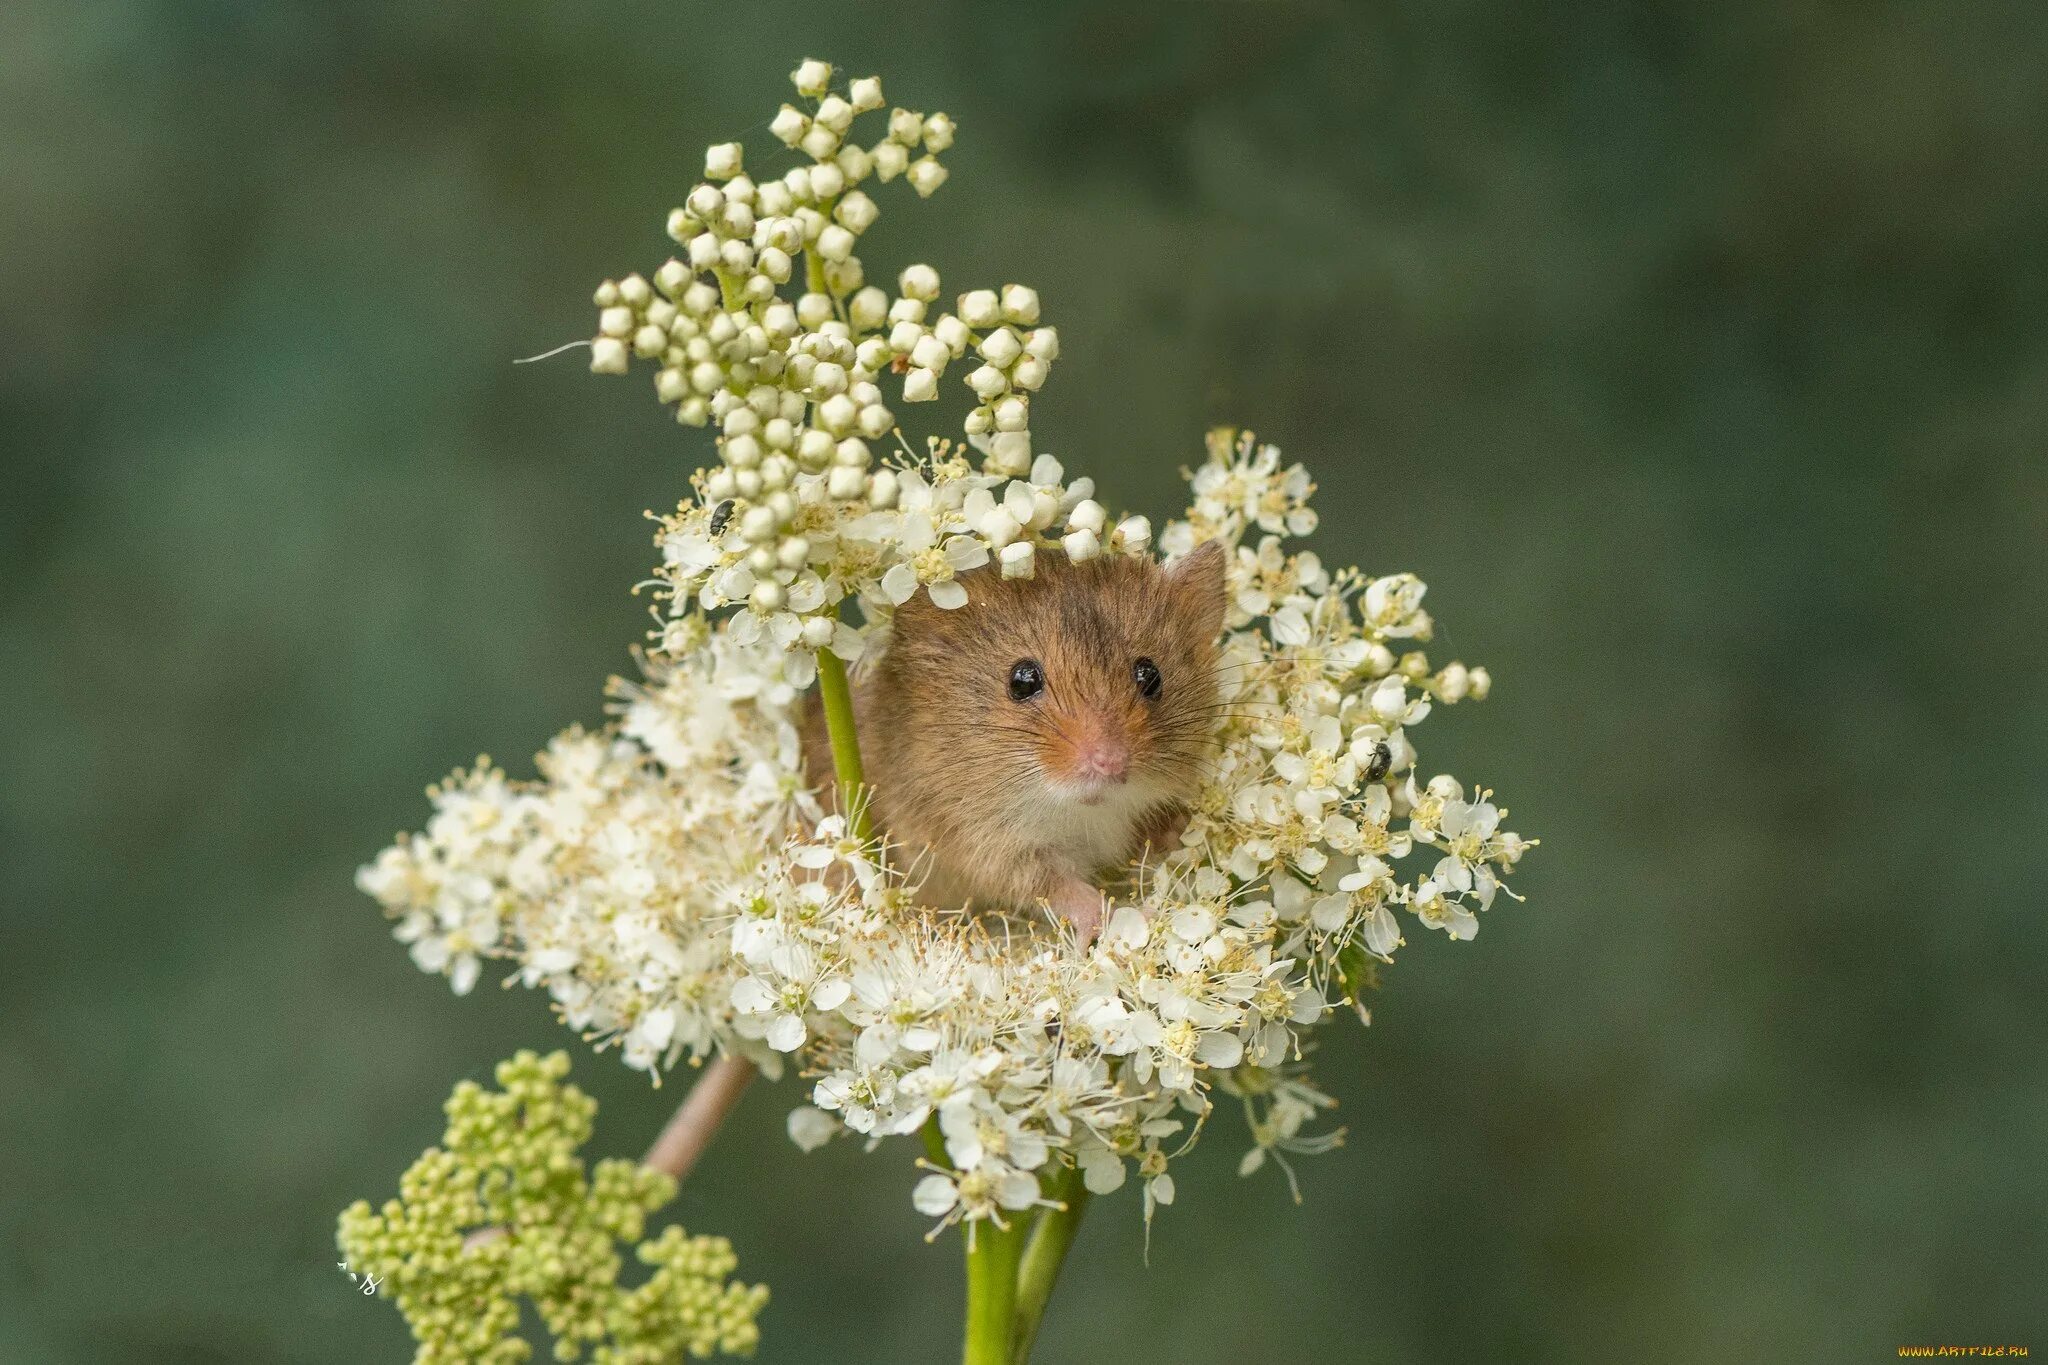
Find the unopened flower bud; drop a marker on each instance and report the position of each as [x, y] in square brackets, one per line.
[1018, 560]
[1087, 516]
[854, 163]
[856, 211]
[980, 308]
[742, 452]
[1020, 305]
[920, 386]
[828, 379]
[835, 113]
[1010, 453]
[1000, 348]
[1081, 546]
[722, 162]
[938, 132]
[925, 176]
[814, 311]
[930, 353]
[700, 298]
[820, 141]
[608, 355]
[835, 243]
[814, 449]
[811, 77]
[891, 160]
[827, 180]
[789, 126]
[988, 381]
[706, 201]
[867, 309]
[837, 414]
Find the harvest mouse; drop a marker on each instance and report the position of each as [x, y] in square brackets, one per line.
[1020, 746]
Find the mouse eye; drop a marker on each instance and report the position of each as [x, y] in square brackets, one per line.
[1146, 674]
[1027, 680]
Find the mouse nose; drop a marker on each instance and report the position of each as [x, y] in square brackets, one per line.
[1103, 759]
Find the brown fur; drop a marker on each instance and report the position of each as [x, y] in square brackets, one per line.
[960, 771]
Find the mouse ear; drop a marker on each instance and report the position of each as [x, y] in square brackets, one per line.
[1198, 587]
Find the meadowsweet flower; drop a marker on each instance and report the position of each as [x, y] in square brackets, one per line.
[475, 1233]
[672, 880]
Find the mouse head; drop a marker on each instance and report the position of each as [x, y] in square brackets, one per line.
[1089, 683]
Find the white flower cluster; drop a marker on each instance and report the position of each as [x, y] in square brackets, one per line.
[672, 884]
[675, 886]
[789, 519]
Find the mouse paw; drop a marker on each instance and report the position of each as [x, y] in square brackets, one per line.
[1082, 906]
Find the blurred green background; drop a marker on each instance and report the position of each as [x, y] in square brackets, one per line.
[1697, 356]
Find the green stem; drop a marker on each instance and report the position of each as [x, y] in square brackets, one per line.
[729, 290]
[814, 272]
[1044, 1255]
[992, 1256]
[837, 694]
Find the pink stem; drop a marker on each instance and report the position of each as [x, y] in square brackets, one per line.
[699, 1116]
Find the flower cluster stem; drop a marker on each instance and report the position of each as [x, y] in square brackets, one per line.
[1044, 1254]
[993, 1254]
[837, 695]
[699, 1116]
